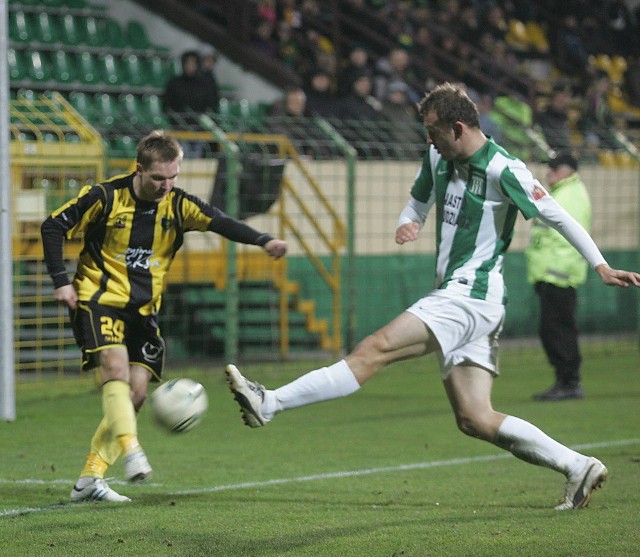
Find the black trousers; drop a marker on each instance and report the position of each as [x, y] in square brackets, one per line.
[558, 331]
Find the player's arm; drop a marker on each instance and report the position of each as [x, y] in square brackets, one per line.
[411, 220]
[555, 216]
[68, 220]
[202, 216]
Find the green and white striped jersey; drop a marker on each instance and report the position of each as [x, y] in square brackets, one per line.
[477, 202]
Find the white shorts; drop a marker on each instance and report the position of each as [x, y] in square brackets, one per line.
[466, 329]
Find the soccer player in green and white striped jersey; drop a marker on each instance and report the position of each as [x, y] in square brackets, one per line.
[477, 189]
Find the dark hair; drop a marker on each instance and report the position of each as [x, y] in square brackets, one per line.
[451, 104]
[190, 54]
[157, 146]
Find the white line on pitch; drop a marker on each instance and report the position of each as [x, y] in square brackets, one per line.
[313, 477]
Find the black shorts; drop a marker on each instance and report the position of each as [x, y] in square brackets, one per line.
[97, 326]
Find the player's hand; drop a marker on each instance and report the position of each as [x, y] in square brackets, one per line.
[66, 294]
[615, 277]
[276, 248]
[407, 232]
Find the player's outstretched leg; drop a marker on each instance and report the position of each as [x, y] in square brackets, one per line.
[95, 489]
[249, 395]
[579, 488]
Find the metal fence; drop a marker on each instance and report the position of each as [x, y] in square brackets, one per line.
[334, 190]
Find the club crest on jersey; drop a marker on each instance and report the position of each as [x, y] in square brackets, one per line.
[476, 184]
[167, 223]
[538, 192]
[121, 222]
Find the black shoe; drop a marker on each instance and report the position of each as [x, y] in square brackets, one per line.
[560, 392]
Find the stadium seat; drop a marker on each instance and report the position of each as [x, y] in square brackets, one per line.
[17, 70]
[154, 113]
[109, 69]
[130, 107]
[37, 67]
[134, 71]
[69, 30]
[20, 27]
[83, 103]
[137, 35]
[113, 34]
[44, 29]
[91, 31]
[63, 67]
[123, 146]
[159, 71]
[106, 109]
[86, 70]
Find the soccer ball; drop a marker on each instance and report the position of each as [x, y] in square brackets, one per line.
[179, 405]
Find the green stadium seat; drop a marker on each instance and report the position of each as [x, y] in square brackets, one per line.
[134, 71]
[159, 71]
[83, 103]
[86, 69]
[17, 69]
[26, 94]
[69, 30]
[123, 147]
[109, 69]
[106, 109]
[37, 66]
[137, 35]
[20, 27]
[63, 67]
[131, 108]
[91, 31]
[154, 112]
[44, 29]
[113, 34]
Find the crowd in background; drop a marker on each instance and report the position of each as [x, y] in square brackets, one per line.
[478, 43]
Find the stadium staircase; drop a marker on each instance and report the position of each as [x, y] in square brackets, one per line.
[195, 317]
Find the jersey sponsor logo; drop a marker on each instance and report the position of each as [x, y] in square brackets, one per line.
[137, 258]
[121, 222]
[538, 192]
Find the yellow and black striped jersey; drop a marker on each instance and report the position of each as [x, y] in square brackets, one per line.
[129, 243]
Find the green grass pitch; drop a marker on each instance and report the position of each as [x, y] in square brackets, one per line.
[383, 472]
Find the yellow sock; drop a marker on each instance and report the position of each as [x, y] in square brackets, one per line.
[95, 467]
[120, 414]
[104, 444]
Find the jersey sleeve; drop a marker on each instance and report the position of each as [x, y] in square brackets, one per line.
[524, 191]
[423, 184]
[198, 215]
[70, 220]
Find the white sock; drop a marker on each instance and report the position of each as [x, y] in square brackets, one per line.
[526, 442]
[321, 384]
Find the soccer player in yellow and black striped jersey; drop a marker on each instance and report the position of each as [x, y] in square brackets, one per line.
[133, 225]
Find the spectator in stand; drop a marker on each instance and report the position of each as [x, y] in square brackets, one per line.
[396, 66]
[357, 62]
[598, 123]
[632, 81]
[494, 22]
[571, 53]
[404, 123]
[488, 124]
[263, 39]
[554, 119]
[622, 28]
[208, 59]
[360, 112]
[186, 96]
[321, 100]
[289, 116]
